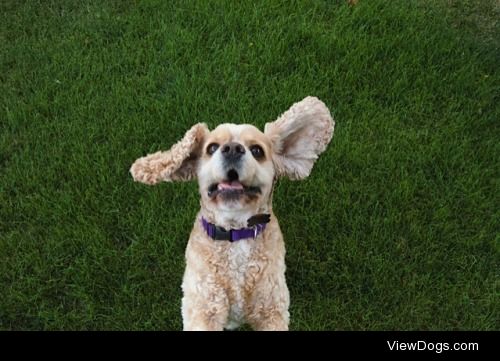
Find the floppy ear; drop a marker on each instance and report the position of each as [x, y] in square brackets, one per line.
[299, 136]
[177, 164]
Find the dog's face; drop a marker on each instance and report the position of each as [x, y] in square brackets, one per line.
[236, 165]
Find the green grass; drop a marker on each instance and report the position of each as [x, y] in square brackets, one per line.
[397, 227]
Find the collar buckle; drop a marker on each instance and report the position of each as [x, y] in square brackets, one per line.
[220, 234]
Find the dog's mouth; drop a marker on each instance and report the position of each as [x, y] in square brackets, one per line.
[232, 188]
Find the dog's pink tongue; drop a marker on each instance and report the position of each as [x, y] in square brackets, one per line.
[230, 185]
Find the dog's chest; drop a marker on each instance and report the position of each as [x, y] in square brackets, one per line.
[242, 266]
[238, 256]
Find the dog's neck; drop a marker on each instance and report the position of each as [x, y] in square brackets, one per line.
[232, 219]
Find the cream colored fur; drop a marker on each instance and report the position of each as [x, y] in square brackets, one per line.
[226, 284]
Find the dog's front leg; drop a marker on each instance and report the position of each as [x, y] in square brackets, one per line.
[268, 310]
[271, 318]
[205, 306]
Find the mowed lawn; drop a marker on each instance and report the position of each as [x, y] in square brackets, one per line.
[397, 228]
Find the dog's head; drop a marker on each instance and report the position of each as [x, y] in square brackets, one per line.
[236, 165]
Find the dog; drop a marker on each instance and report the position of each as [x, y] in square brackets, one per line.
[235, 256]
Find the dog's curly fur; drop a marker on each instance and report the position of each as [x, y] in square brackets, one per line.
[226, 284]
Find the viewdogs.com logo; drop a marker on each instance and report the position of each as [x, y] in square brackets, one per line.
[437, 347]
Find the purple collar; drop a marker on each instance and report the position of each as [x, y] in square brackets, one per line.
[220, 234]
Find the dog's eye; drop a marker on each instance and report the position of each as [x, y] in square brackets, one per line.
[257, 151]
[212, 147]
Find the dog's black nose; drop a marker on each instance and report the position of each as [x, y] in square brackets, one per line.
[232, 151]
[232, 175]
